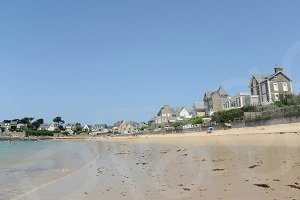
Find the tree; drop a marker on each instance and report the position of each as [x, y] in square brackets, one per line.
[36, 124]
[228, 115]
[197, 120]
[26, 120]
[58, 121]
[78, 127]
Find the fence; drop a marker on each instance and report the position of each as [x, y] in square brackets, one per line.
[288, 111]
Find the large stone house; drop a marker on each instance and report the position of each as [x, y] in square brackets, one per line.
[269, 87]
[165, 115]
[125, 127]
[214, 101]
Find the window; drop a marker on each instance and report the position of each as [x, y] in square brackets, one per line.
[263, 89]
[276, 97]
[285, 87]
[275, 85]
[254, 91]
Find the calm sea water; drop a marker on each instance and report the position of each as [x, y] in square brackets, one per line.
[26, 165]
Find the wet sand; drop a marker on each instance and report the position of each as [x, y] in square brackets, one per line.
[250, 163]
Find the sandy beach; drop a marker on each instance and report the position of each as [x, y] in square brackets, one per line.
[247, 163]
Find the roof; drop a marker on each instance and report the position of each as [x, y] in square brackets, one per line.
[262, 77]
[207, 94]
[221, 91]
[198, 105]
[44, 126]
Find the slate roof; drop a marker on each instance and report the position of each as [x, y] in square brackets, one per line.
[221, 91]
[262, 77]
[198, 105]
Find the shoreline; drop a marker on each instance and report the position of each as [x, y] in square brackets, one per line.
[248, 163]
[283, 129]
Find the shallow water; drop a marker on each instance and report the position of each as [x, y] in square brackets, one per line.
[27, 165]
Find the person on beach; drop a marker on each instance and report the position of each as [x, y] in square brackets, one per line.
[210, 130]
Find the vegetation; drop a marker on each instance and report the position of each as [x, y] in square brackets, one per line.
[59, 122]
[197, 120]
[288, 100]
[36, 124]
[229, 115]
[30, 132]
[78, 128]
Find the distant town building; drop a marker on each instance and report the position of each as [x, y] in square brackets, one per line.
[183, 113]
[48, 127]
[240, 100]
[8, 125]
[269, 87]
[199, 110]
[87, 128]
[125, 127]
[214, 101]
[70, 128]
[99, 127]
[165, 115]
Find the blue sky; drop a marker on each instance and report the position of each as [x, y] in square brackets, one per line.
[102, 61]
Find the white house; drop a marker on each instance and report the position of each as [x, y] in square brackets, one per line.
[184, 114]
[52, 127]
[70, 128]
[240, 100]
[86, 128]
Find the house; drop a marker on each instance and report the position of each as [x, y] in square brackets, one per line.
[214, 101]
[43, 127]
[183, 113]
[240, 100]
[20, 126]
[52, 127]
[48, 127]
[125, 127]
[99, 127]
[9, 125]
[165, 115]
[70, 128]
[199, 110]
[87, 128]
[270, 86]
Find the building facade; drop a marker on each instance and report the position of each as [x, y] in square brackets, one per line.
[269, 87]
[240, 100]
[214, 101]
[165, 115]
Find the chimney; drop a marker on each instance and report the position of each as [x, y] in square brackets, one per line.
[277, 69]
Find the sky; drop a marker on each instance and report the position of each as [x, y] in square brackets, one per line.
[102, 61]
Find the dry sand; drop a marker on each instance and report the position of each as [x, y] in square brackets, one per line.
[248, 163]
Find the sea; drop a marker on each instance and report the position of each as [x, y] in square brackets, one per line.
[28, 165]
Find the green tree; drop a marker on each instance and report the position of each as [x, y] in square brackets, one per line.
[58, 121]
[36, 124]
[26, 120]
[197, 120]
[78, 127]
